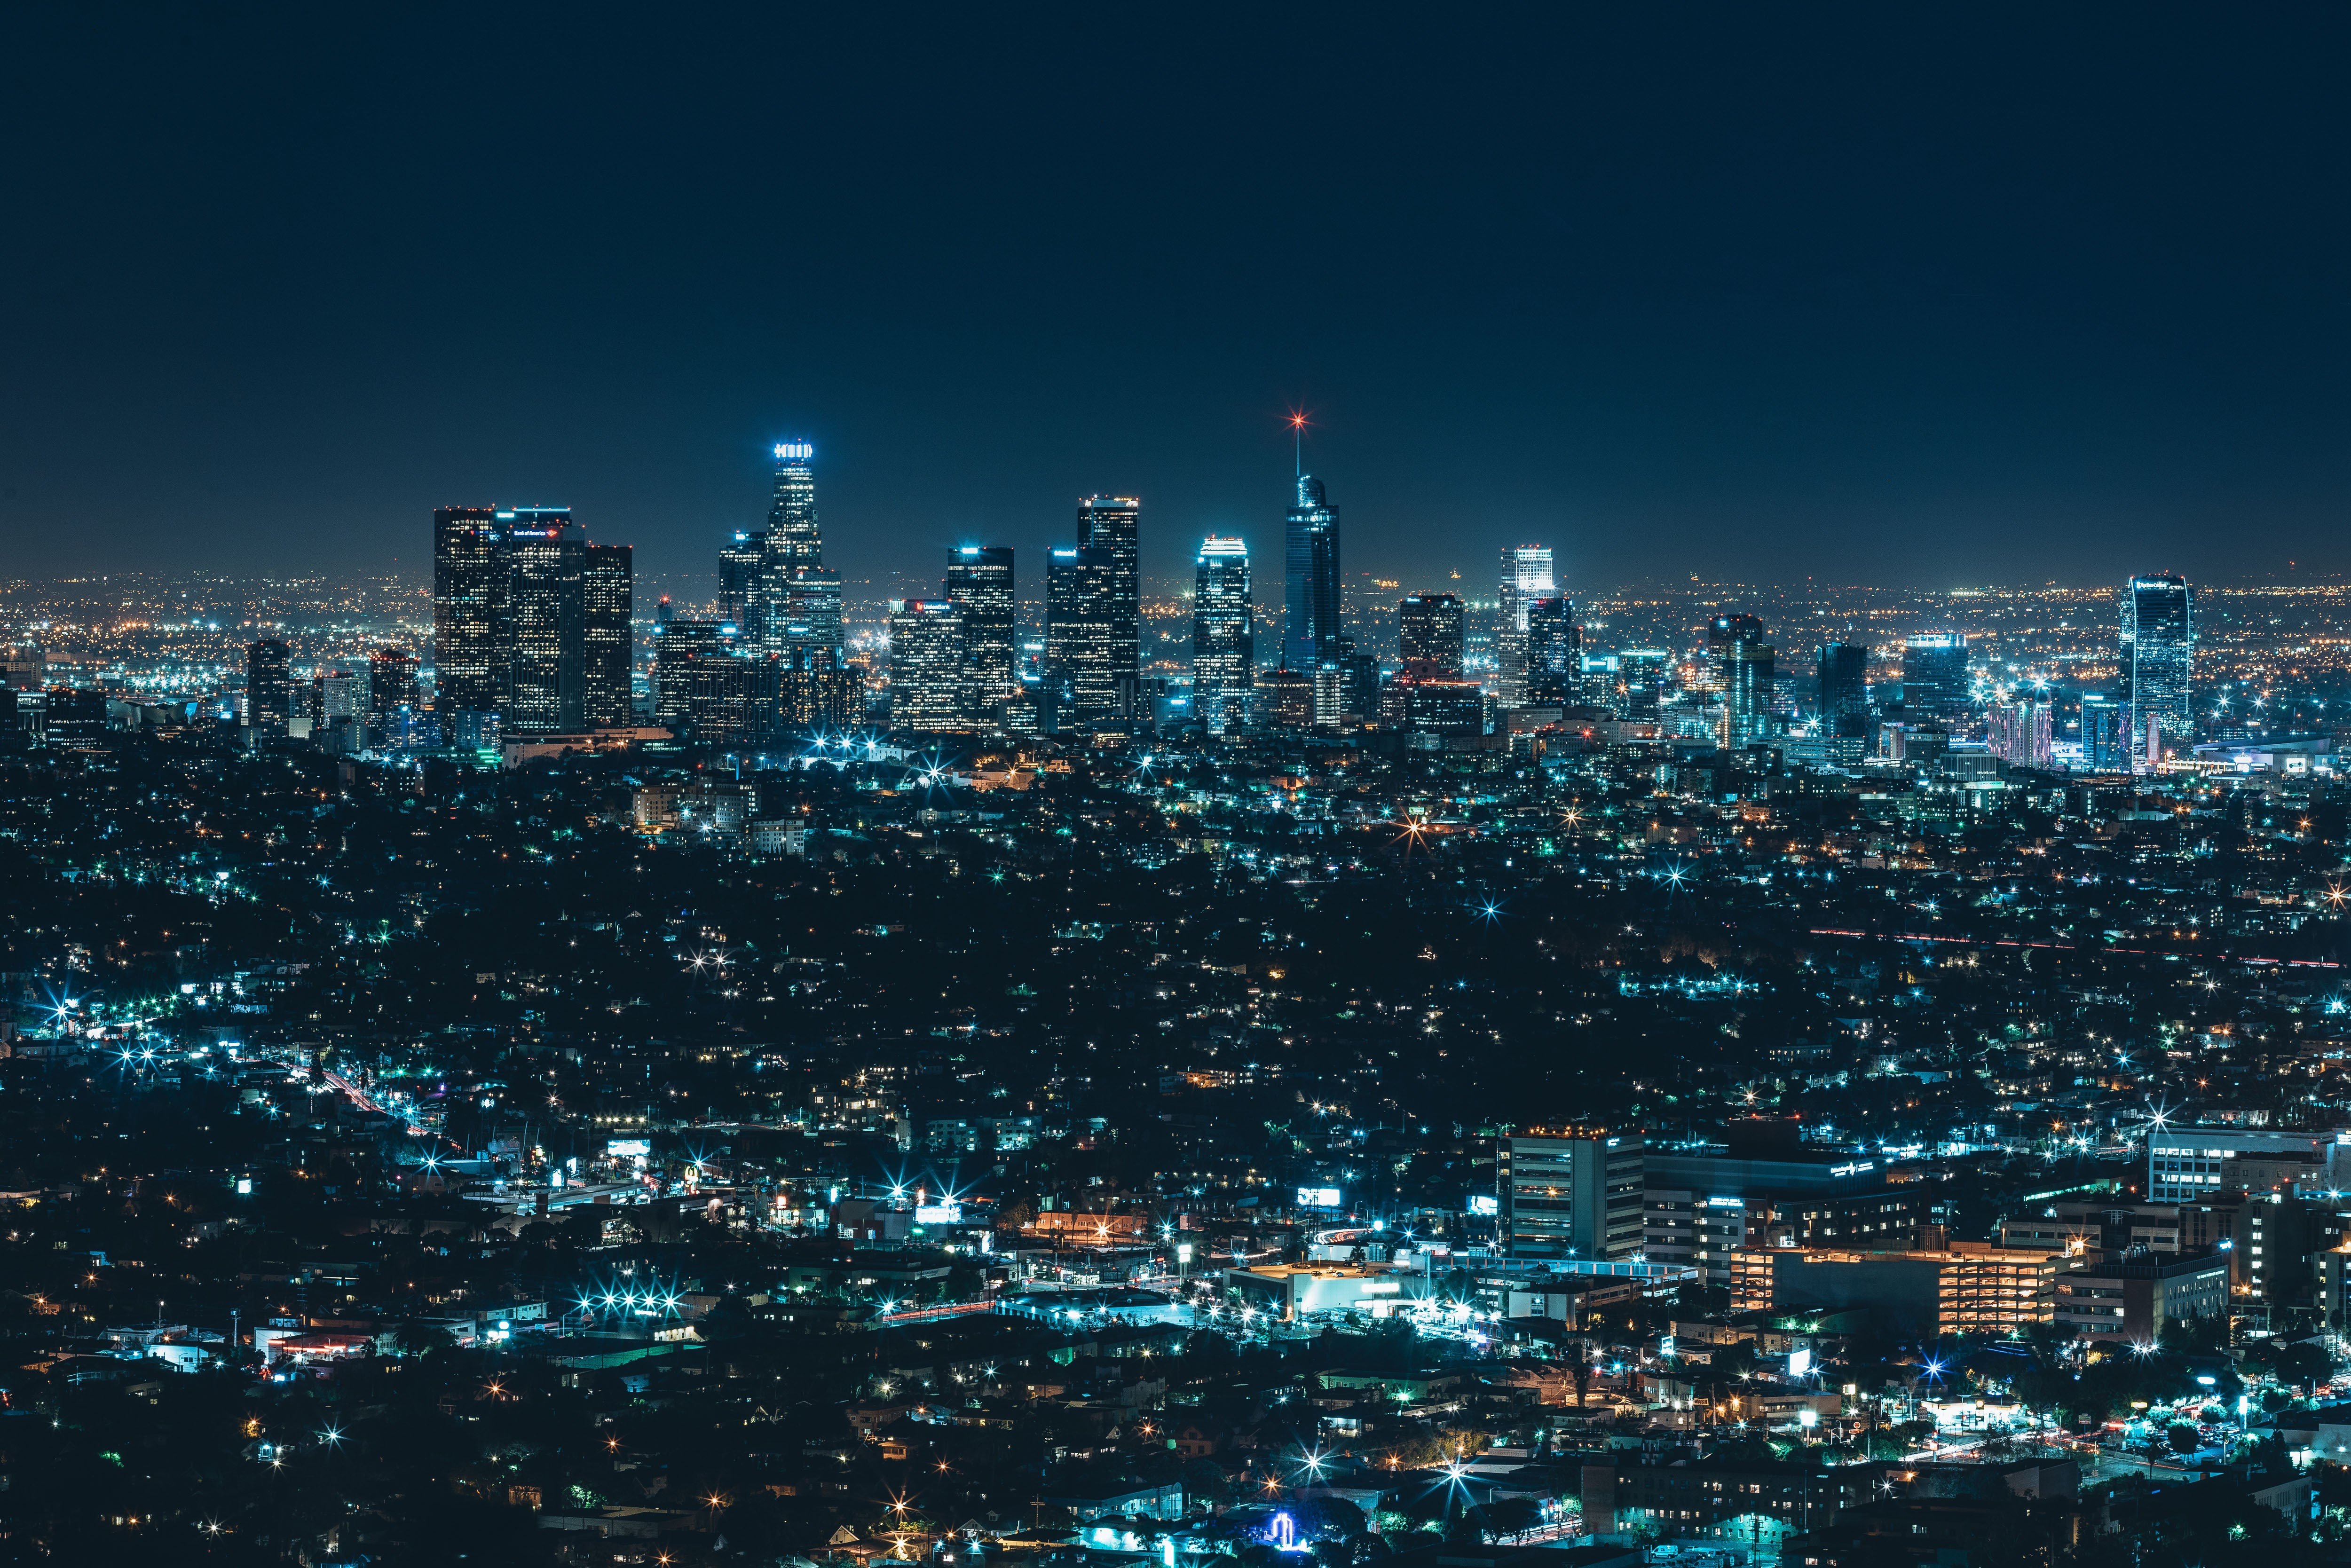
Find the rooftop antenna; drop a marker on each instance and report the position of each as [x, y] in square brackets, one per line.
[1298, 441]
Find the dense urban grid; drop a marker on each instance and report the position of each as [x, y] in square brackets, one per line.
[1453, 1072]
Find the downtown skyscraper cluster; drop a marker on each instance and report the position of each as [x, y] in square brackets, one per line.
[531, 623]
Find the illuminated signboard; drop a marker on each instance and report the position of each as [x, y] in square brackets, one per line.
[794, 451]
[1483, 1203]
[939, 1214]
[1317, 1197]
[629, 1148]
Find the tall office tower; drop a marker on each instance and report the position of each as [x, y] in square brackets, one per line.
[1311, 599]
[1224, 647]
[1286, 698]
[1748, 665]
[1081, 630]
[1428, 636]
[1935, 675]
[392, 683]
[1842, 690]
[269, 686]
[609, 640]
[2158, 664]
[677, 645]
[1113, 525]
[2105, 734]
[1554, 653]
[1526, 576]
[980, 584]
[739, 561]
[928, 649]
[469, 611]
[1641, 674]
[546, 617]
[793, 537]
[1572, 1193]
[2020, 733]
[797, 602]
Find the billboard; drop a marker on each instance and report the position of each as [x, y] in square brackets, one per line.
[1317, 1197]
[1484, 1203]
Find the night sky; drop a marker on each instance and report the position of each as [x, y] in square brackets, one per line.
[1758, 292]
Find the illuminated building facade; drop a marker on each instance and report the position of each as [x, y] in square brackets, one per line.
[1749, 667]
[1553, 648]
[269, 686]
[2018, 733]
[1935, 676]
[1310, 596]
[1113, 525]
[469, 611]
[609, 642]
[1526, 576]
[740, 562]
[927, 652]
[979, 582]
[1224, 646]
[392, 683]
[1081, 635]
[1574, 1193]
[1430, 636]
[2158, 664]
[797, 601]
[547, 558]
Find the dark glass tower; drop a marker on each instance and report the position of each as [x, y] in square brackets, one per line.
[1554, 653]
[1842, 691]
[1224, 647]
[269, 686]
[740, 562]
[1113, 525]
[2159, 662]
[609, 640]
[469, 609]
[1935, 675]
[1311, 598]
[1082, 634]
[979, 581]
[1428, 629]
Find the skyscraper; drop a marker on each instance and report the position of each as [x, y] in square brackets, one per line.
[2105, 734]
[1081, 632]
[798, 600]
[269, 686]
[927, 656]
[793, 537]
[1554, 653]
[1749, 668]
[740, 562]
[1428, 632]
[980, 583]
[1224, 646]
[1526, 576]
[1113, 525]
[1311, 598]
[609, 642]
[547, 555]
[392, 683]
[2158, 664]
[1841, 699]
[469, 611]
[1935, 675]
